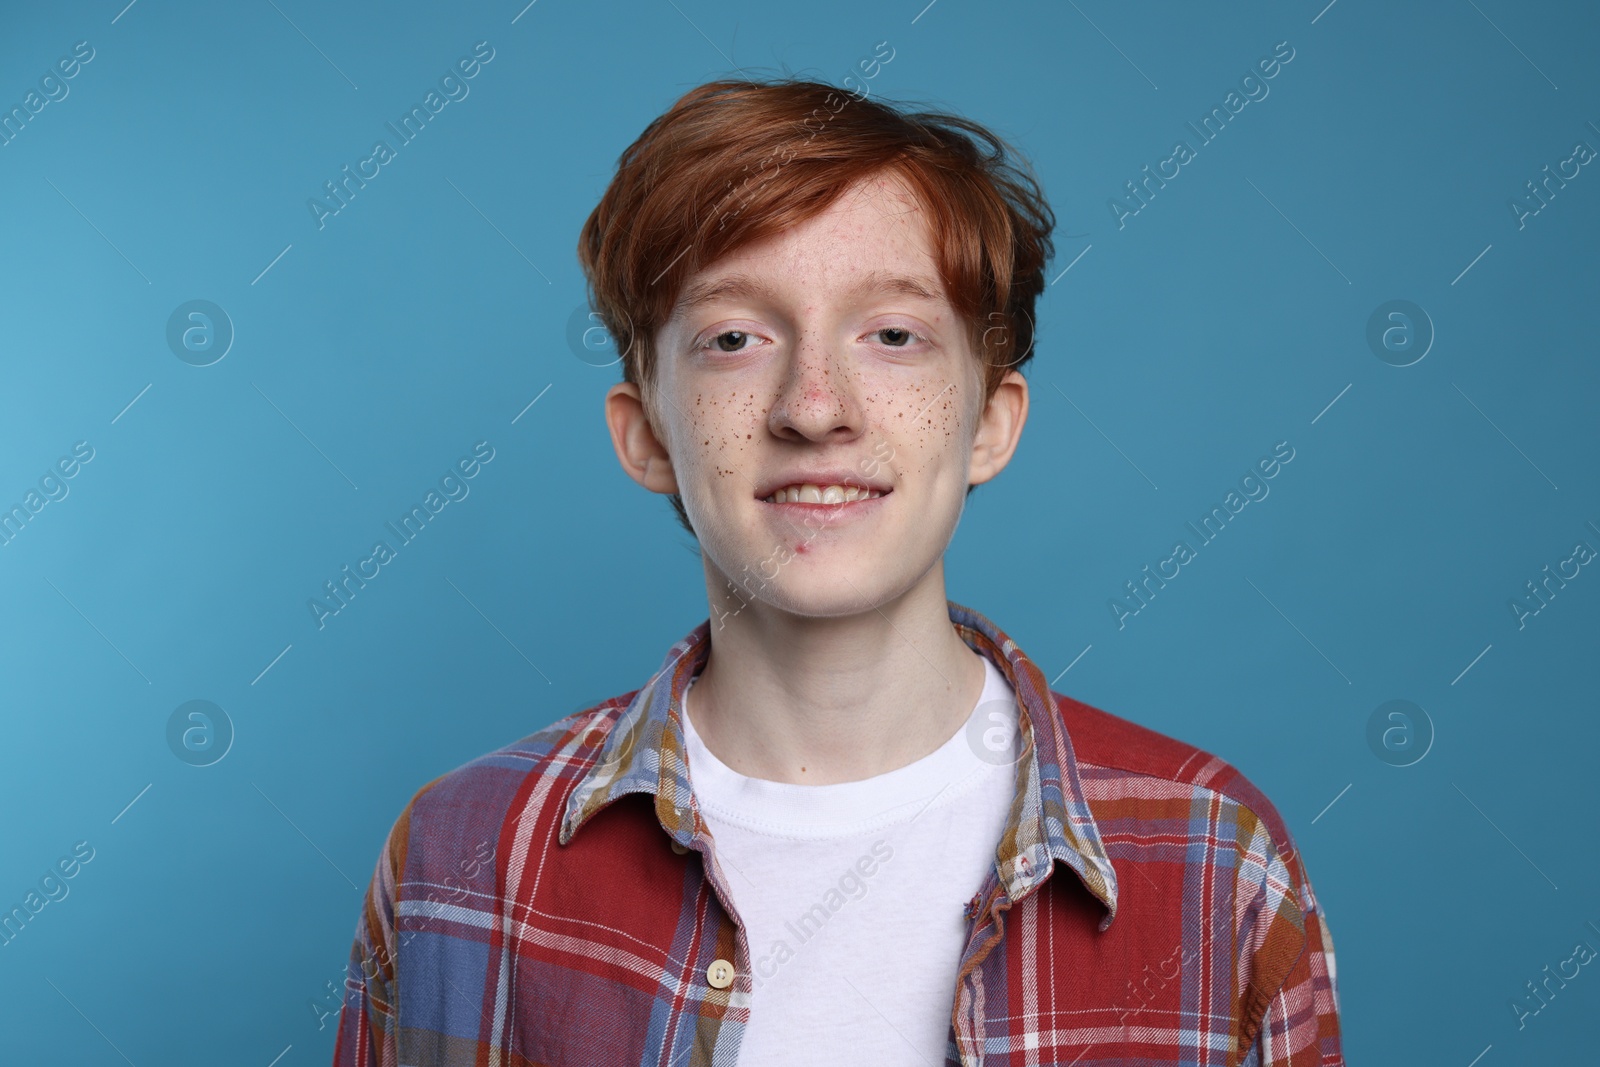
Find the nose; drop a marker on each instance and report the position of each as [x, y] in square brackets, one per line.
[818, 400]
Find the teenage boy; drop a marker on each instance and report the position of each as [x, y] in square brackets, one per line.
[847, 820]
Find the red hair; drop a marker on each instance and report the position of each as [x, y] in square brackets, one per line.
[735, 161]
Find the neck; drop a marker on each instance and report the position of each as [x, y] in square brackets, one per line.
[818, 700]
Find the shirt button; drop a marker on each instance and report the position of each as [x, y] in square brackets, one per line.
[720, 974]
[679, 849]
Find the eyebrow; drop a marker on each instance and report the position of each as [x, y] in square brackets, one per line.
[735, 286]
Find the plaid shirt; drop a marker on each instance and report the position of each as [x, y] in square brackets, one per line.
[559, 902]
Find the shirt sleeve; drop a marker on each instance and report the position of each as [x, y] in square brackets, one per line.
[1300, 1024]
[367, 1018]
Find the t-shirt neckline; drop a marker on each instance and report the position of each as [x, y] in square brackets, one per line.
[795, 810]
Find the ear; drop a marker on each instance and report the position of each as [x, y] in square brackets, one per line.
[642, 455]
[999, 428]
[639, 450]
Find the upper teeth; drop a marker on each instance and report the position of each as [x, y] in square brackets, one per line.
[809, 493]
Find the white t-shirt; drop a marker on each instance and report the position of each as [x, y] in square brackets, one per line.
[853, 895]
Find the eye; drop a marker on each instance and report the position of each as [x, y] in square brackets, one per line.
[906, 336]
[735, 338]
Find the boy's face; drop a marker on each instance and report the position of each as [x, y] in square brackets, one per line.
[814, 371]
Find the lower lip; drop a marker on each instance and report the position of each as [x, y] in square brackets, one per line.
[828, 514]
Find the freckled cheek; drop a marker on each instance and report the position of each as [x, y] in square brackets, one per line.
[920, 430]
[719, 442]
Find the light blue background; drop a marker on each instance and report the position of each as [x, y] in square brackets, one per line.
[1226, 316]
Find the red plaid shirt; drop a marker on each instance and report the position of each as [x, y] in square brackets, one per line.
[559, 902]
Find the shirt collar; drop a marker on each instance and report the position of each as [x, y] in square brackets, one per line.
[1050, 820]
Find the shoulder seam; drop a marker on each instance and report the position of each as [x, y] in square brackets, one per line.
[1193, 750]
[1240, 801]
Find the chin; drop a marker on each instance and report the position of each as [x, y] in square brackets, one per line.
[830, 604]
[846, 586]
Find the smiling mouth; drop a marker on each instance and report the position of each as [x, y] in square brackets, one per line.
[811, 493]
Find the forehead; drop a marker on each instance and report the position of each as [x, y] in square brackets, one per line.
[874, 238]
